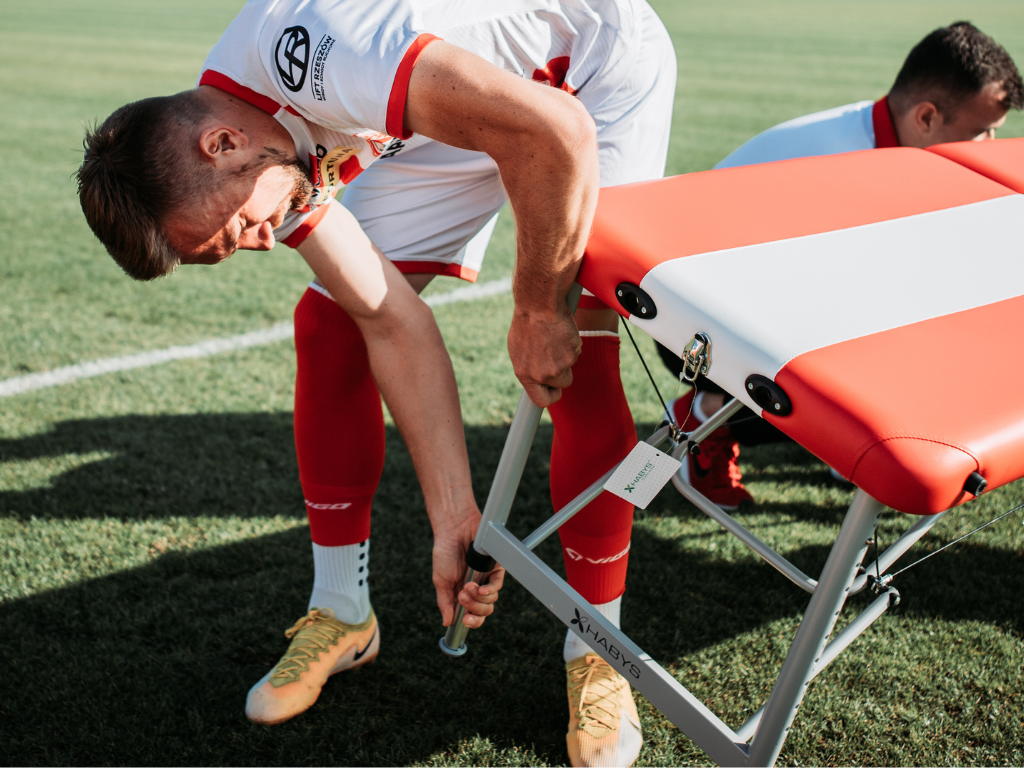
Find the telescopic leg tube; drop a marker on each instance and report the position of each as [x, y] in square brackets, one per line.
[454, 641]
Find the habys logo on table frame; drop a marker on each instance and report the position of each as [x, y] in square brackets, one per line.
[593, 636]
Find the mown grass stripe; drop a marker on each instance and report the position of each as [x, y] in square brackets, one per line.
[275, 333]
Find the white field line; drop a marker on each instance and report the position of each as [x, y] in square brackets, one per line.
[279, 332]
[471, 292]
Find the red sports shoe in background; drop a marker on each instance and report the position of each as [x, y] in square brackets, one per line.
[715, 471]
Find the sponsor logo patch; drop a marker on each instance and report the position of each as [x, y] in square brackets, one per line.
[329, 163]
[332, 168]
[393, 148]
[323, 50]
[292, 57]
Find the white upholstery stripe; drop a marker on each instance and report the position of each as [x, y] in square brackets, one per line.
[765, 304]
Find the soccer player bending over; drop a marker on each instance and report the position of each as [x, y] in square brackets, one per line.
[433, 115]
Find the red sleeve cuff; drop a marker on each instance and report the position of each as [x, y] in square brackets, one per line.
[395, 120]
[295, 238]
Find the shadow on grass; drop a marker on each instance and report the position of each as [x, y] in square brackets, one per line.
[151, 666]
[162, 466]
[244, 465]
[229, 464]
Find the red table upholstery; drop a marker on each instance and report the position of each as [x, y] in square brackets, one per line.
[883, 291]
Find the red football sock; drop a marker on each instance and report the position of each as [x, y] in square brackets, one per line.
[593, 430]
[339, 424]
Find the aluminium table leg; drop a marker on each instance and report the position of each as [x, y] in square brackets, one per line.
[827, 601]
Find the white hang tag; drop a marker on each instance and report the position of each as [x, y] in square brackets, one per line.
[643, 473]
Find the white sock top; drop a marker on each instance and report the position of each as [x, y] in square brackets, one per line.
[340, 581]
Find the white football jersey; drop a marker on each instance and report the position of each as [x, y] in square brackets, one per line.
[335, 73]
[863, 125]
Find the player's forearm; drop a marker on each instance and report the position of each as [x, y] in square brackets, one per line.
[414, 374]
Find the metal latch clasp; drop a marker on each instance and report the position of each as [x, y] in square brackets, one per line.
[696, 358]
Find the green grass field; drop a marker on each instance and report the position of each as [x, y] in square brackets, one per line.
[153, 544]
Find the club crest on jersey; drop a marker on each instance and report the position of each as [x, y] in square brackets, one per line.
[292, 57]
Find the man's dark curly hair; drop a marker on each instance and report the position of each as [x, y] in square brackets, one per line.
[950, 66]
[141, 166]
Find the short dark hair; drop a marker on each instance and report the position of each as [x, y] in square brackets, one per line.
[141, 166]
[950, 66]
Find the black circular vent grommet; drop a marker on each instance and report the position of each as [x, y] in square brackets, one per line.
[769, 395]
[636, 301]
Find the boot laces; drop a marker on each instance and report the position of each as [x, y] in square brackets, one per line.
[594, 690]
[311, 636]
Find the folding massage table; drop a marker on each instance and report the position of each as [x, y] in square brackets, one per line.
[851, 301]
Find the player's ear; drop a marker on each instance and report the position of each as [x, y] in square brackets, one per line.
[221, 142]
[927, 118]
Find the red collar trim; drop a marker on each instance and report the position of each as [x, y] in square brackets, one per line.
[885, 131]
[248, 95]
